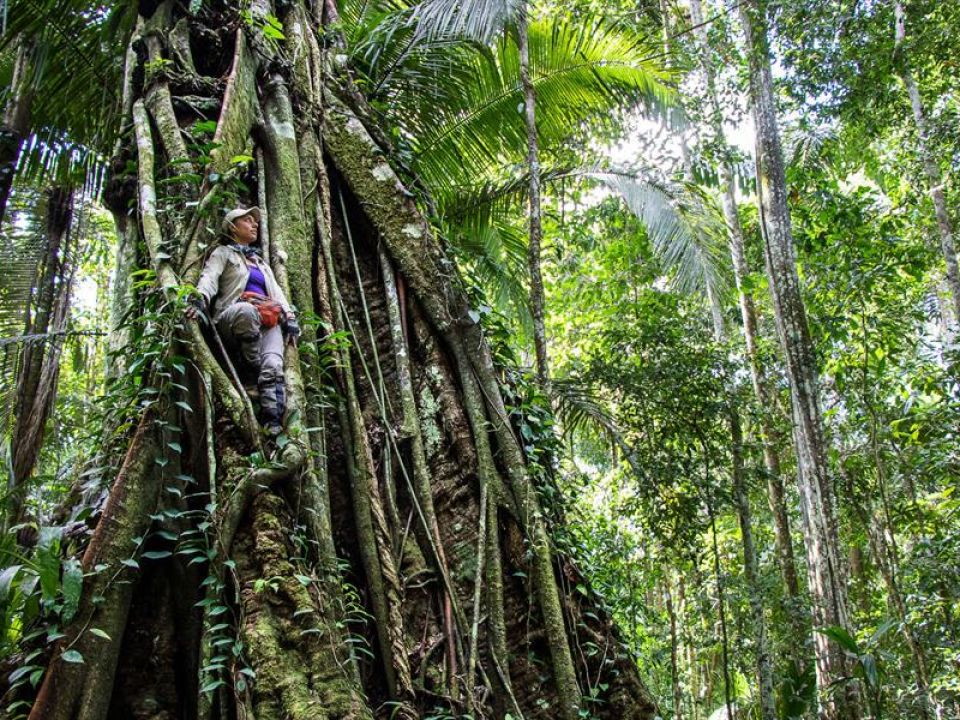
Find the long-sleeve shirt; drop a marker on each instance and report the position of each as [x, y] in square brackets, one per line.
[225, 277]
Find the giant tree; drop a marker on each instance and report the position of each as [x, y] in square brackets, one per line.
[212, 570]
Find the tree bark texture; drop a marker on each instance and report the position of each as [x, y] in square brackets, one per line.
[818, 502]
[536, 225]
[393, 559]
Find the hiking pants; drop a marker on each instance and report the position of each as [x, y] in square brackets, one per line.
[258, 355]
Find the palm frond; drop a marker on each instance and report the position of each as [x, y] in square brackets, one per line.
[76, 53]
[495, 196]
[460, 111]
[805, 146]
[579, 408]
[478, 20]
[684, 223]
[22, 247]
[685, 227]
[492, 251]
[47, 160]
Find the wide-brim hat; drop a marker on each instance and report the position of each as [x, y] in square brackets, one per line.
[235, 214]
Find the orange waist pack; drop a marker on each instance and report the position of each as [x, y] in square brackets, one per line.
[270, 310]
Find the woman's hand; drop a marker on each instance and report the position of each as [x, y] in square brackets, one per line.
[293, 330]
[196, 308]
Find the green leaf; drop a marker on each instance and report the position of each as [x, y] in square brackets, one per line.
[6, 580]
[99, 633]
[870, 672]
[840, 636]
[19, 673]
[157, 554]
[72, 656]
[72, 586]
[211, 686]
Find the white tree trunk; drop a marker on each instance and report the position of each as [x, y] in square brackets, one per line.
[818, 503]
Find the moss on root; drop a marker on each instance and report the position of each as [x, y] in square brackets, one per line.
[294, 645]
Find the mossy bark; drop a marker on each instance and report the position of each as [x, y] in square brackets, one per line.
[371, 567]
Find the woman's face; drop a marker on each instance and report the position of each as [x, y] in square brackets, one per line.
[245, 229]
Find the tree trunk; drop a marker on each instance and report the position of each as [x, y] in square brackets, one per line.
[39, 367]
[764, 665]
[536, 228]
[768, 433]
[399, 458]
[721, 596]
[16, 121]
[818, 503]
[674, 652]
[930, 166]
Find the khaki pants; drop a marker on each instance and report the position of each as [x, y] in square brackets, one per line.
[258, 355]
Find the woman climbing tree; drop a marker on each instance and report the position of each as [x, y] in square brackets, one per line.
[250, 312]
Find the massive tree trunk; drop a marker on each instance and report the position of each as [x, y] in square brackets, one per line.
[817, 498]
[39, 366]
[393, 559]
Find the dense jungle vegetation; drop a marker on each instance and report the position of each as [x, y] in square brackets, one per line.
[628, 383]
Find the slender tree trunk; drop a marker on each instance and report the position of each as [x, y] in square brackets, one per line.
[537, 300]
[721, 608]
[768, 433]
[931, 168]
[16, 121]
[674, 653]
[826, 579]
[39, 368]
[446, 597]
[764, 667]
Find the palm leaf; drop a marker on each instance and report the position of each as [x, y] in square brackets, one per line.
[492, 251]
[459, 109]
[478, 20]
[684, 224]
[685, 227]
[22, 247]
[580, 408]
[77, 53]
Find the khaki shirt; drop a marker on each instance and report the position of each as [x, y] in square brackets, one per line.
[225, 277]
